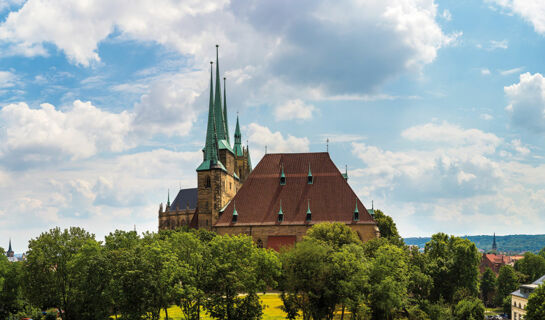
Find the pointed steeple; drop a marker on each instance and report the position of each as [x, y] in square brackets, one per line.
[494, 246]
[211, 145]
[10, 252]
[238, 142]
[218, 110]
[249, 158]
[168, 198]
[226, 122]
[9, 248]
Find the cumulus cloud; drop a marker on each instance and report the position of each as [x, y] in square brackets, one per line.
[260, 137]
[7, 79]
[47, 134]
[532, 11]
[294, 110]
[527, 102]
[368, 42]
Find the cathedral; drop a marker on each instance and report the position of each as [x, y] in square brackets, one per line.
[276, 202]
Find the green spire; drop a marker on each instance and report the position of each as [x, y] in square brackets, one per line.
[225, 113]
[218, 110]
[282, 177]
[235, 213]
[356, 212]
[309, 177]
[211, 144]
[168, 198]
[9, 248]
[308, 207]
[280, 212]
[238, 142]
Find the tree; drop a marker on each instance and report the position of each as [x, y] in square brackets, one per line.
[334, 234]
[10, 289]
[454, 267]
[507, 283]
[469, 309]
[535, 309]
[237, 266]
[388, 228]
[488, 287]
[49, 269]
[388, 281]
[532, 266]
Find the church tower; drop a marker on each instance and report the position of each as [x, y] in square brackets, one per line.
[10, 252]
[218, 181]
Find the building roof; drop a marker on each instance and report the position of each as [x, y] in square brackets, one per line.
[329, 197]
[525, 290]
[498, 258]
[184, 198]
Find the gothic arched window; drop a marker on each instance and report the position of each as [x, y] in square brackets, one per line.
[207, 183]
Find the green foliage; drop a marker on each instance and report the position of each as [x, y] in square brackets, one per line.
[535, 309]
[532, 266]
[388, 281]
[506, 305]
[388, 228]
[469, 309]
[322, 272]
[454, 267]
[438, 311]
[507, 282]
[237, 266]
[488, 287]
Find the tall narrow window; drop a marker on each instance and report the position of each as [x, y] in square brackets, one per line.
[207, 183]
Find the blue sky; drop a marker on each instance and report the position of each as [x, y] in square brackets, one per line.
[436, 107]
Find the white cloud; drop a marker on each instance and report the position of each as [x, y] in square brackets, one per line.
[294, 109]
[364, 37]
[486, 116]
[521, 149]
[532, 11]
[511, 71]
[47, 134]
[7, 79]
[502, 44]
[446, 15]
[527, 102]
[260, 137]
[485, 72]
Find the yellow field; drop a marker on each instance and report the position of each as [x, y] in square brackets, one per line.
[272, 311]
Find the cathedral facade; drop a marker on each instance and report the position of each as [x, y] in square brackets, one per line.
[276, 202]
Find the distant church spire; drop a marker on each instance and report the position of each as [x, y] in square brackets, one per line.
[238, 142]
[494, 246]
[10, 252]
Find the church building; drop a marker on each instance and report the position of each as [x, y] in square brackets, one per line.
[276, 202]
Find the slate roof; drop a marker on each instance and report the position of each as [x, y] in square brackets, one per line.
[330, 197]
[525, 290]
[184, 197]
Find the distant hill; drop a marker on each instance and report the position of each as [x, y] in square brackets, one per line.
[516, 243]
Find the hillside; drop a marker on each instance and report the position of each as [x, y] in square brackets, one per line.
[516, 243]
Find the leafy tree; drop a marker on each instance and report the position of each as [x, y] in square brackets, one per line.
[388, 228]
[506, 305]
[469, 309]
[388, 280]
[507, 283]
[454, 267]
[420, 282]
[49, 271]
[10, 290]
[488, 286]
[237, 266]
[334, 235]
[532, 266]
[535, 309]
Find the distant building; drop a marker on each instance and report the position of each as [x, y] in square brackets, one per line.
[496, 261]
[519, 298]
[11, 254]
[494, 246]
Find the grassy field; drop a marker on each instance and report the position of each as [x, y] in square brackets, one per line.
[272, 309]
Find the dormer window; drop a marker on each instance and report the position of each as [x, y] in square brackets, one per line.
[282, 177]
[235, 214]
[356, 213]
[309, 213]
[280, 213]
[310, 178]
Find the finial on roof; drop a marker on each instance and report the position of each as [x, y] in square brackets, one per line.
[310, 179]
[168, 198]
[327, 145]
[280, 211]
[282, 176]
[235, 213]
[356, 212]
[265, 149]
[309, 213]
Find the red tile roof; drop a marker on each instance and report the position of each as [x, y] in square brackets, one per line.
[330, 196]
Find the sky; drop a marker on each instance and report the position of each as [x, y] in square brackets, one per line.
[437, 108]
